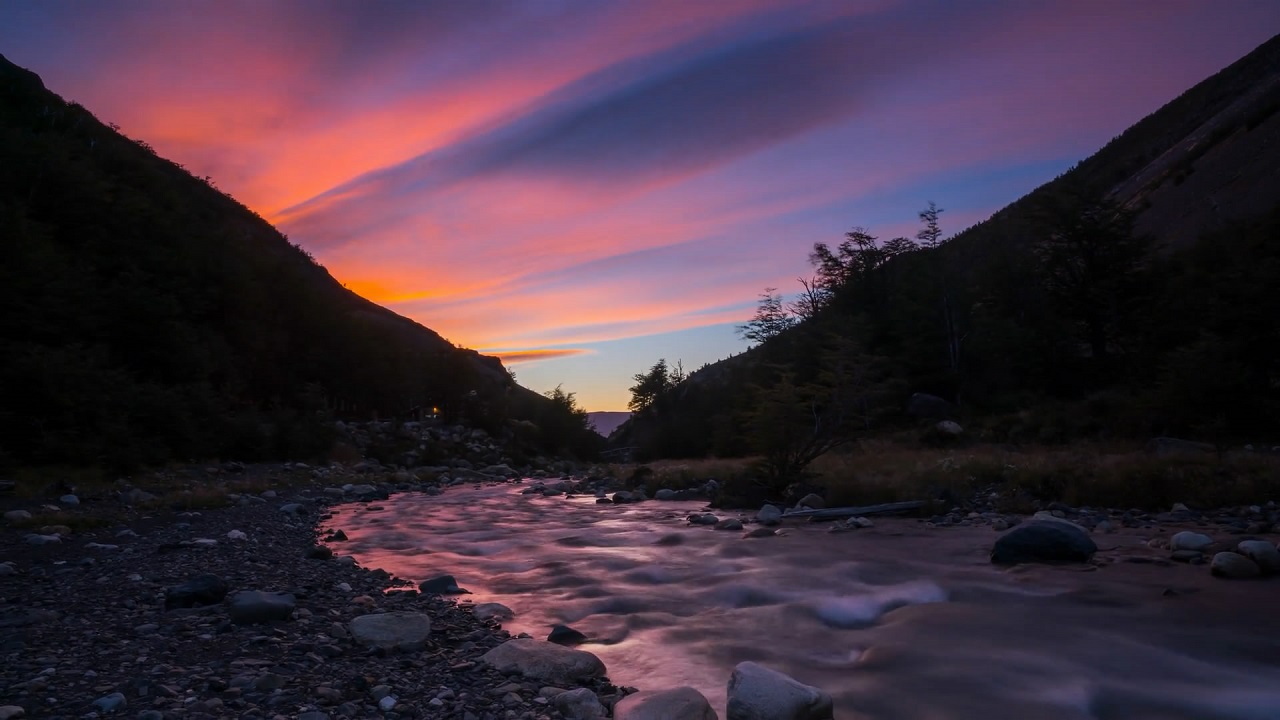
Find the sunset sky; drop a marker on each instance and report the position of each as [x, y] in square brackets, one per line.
[596, 184]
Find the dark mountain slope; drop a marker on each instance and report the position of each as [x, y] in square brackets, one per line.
[148, 316]
[1134, 294]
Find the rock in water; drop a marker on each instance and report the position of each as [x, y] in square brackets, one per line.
[442, 585]
[1262, 552]
[565, 635]
[1234, 566]
[391, 631]
[769, 515]
[1044, 541]
[544, 661]
[579, 704]
[252, 607]
[198, 591]
[758, 693]
[682, 703]
[1187, 540]
[485, 611]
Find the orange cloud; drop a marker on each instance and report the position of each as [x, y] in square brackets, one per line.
[512, 357]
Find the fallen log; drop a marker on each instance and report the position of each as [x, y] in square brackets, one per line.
[844, 512]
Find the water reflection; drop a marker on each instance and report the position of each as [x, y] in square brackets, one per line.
[900, 621]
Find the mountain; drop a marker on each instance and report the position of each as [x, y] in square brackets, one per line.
[606, 422]
[149, 316]
[1133, 295]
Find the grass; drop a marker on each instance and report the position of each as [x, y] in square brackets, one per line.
[1017, 480]
[1025, 479]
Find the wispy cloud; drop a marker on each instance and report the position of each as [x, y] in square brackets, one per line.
[537, 175]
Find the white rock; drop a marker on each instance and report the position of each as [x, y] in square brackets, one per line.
[71, 500]
[391, 631]
[386, 703]
[769, 515]
[1234, 566]
[1187, 540]
[682, 703]
[579, 704]
[1266, 555]
[758, 693]
[37, 539]
[237, 535]
[541, 660]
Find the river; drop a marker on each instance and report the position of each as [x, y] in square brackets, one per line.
[898, 621]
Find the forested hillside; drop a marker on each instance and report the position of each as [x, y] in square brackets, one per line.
[150, 317]
[1135, 295]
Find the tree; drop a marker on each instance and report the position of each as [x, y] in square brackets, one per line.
[649, 386]
[931, 234]
[771, 319]
[1090, 260]
[800, 416]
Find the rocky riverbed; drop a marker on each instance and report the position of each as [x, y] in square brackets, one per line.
[235, 612]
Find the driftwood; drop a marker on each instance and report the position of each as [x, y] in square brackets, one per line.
[844, 512]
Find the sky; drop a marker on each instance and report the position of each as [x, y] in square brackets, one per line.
[584, 186]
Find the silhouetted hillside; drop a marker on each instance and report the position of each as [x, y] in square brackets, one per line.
[148, 316]
[1133, 295]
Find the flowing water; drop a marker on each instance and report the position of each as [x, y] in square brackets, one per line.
[897, 621]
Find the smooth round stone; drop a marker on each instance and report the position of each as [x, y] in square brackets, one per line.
[1234, 566]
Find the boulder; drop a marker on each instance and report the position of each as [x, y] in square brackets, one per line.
[769, 515]
[1044, 541]
[200, 590]
[924, 406]
[544, 661]
[15, 517]
[682, 703]
[565, 635]
[1263, 553]
[579, 704]
[703, 519]
[1187, 540]
[1233, 566]
[485, 611]
[391, 631]
[665, 494]
[729, 524]
[441, 585]
[758, 693]
[70, 500]
[253, 607]
[949, 428]
[811, 501]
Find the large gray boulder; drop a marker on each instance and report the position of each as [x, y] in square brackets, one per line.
[1187, 540]
[758, 693]
[682, 703]
[1233, 566]
[1049, 541]
[544, 661]
[391, 631]
[769, 515]
[1262, 552]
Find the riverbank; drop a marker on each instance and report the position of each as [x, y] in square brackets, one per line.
[90, 621]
